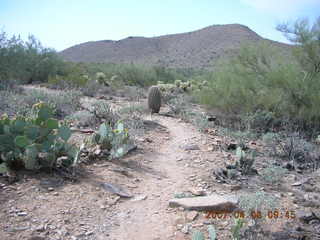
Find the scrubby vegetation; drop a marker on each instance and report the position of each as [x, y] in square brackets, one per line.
[27, 61]
[272, 88]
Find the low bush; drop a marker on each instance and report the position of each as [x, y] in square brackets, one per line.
[273, 174]
[292, 148]
[63, 103]
[132, 118]
[17, 102]
[91, 88]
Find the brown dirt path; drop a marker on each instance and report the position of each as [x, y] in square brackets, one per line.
[151, 218]
[81, 204]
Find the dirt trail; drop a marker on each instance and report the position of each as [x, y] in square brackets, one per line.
[151, 219]
[162, 173]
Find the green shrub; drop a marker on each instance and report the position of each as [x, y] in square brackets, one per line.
[259, 201]
[74, 75]
[27, 61]
[91, 88]
[273, 174]
[266, 79]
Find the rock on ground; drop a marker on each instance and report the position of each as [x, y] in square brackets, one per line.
[227, 203]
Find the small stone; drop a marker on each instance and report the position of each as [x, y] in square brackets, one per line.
[197, 192]
[139, 198]
[192, 215]
[299, 183]
[40, 228]
[186, 229]
[21, 214]
[132, 185]
[235, 187]
[207, 222]
[210, 148]
[179, 220]
[179, 226]
[97, 151]
[198, 225]
[89, 233]
[191, 147]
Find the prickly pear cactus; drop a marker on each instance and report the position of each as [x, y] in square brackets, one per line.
[35, 142]
[154, 99]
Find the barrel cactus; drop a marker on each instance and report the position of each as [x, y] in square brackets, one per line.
[154, 99]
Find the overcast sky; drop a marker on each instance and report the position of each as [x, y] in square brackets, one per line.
[63, 23]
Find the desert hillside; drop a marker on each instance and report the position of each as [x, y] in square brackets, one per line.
[197, 49]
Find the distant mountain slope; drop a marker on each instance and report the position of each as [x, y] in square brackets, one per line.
[197, 49]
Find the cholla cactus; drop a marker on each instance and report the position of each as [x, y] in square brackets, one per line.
[177, 83]
[166, 87]
[185, 86]
[101, 78]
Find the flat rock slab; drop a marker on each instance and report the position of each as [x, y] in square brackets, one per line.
[190, 147]
[226, 203]
[113, 188]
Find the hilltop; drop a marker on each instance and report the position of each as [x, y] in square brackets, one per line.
[196, 49]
